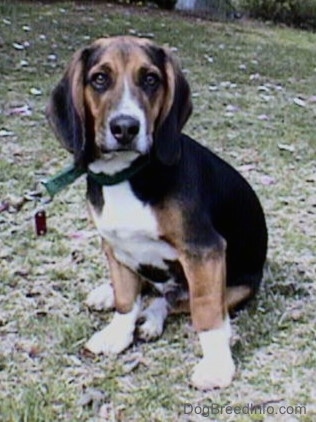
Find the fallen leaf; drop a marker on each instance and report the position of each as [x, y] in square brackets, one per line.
[247, 167]
[285, 147]
[254, 76]
[24, 63]
[267, 180]
[311, 99]
[18, 46]
[263, 88]
[4, 206]
[35, 91]
[92, 397]
[52, 57]
[230, 108]
[299, 102]
[34, 352]
[263, 117]
[4, 133]
[23, 110]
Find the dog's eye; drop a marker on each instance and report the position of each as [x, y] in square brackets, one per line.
[151, 81]
[100, 81]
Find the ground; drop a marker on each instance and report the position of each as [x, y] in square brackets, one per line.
[254, 101]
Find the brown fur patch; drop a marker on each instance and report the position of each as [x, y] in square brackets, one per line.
[205, 271]
[126, 284]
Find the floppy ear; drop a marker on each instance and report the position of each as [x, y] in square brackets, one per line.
[65, 111]
[178, 107]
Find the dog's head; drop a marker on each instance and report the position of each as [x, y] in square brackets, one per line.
[121, 93]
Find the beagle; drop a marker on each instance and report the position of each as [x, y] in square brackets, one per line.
[168, 210]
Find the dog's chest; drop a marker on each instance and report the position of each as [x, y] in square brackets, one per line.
[131, 229]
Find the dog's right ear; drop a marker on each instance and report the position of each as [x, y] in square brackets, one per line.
[65, 111]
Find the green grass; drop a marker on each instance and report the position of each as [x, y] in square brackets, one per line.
[244, 77]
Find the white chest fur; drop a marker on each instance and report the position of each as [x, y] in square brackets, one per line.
[131, 229]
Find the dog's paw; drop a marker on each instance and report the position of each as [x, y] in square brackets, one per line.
[101, 298]
[109, 341]
[118, 335]
[150, 329]
[209, 374]
[153, 319]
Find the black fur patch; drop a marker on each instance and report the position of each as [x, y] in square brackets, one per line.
[95, 194]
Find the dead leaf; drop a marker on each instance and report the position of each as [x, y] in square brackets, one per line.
[247, 167]
[311, 99]
[286, 147]
[4, 206]
[22, 110]
[35, 91]
[18, 46]
[255, 76]
[230, 108]
[4, 133]
[299, 102]
[24, 63]
[92, 397]
[263, 117]
[263, 88]
[267, 180]
[15, 203]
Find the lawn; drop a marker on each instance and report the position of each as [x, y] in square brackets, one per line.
[254, 95]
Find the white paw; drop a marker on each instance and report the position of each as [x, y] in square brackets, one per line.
[118, 335]
[209, 374]
[150, 329]
[109, 341]
[101, 298]
[154, 317]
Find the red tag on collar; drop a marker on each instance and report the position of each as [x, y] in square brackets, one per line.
[40, 222]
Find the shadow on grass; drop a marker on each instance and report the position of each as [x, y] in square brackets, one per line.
[284, 289]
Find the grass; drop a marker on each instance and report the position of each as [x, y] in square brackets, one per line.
[254, 104]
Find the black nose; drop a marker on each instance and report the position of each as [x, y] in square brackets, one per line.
[124, 129]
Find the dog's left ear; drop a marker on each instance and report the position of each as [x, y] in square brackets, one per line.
[65, 111]
[177, 110]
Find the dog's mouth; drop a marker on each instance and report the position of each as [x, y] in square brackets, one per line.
[140, 145]
[114, 161]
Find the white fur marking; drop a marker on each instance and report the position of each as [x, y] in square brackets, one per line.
[113, 162]
[116, 336]
[131, 229]
[155, 316]
[129, 106]
[101, 298]
[216, 368]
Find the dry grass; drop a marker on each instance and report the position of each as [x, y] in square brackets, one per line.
[254, 97]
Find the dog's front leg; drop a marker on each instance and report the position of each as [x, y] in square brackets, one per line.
[118, 335]
[205, 269]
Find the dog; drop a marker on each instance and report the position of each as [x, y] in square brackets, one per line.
[169, 211]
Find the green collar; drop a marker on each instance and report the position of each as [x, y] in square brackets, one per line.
[71, 173]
